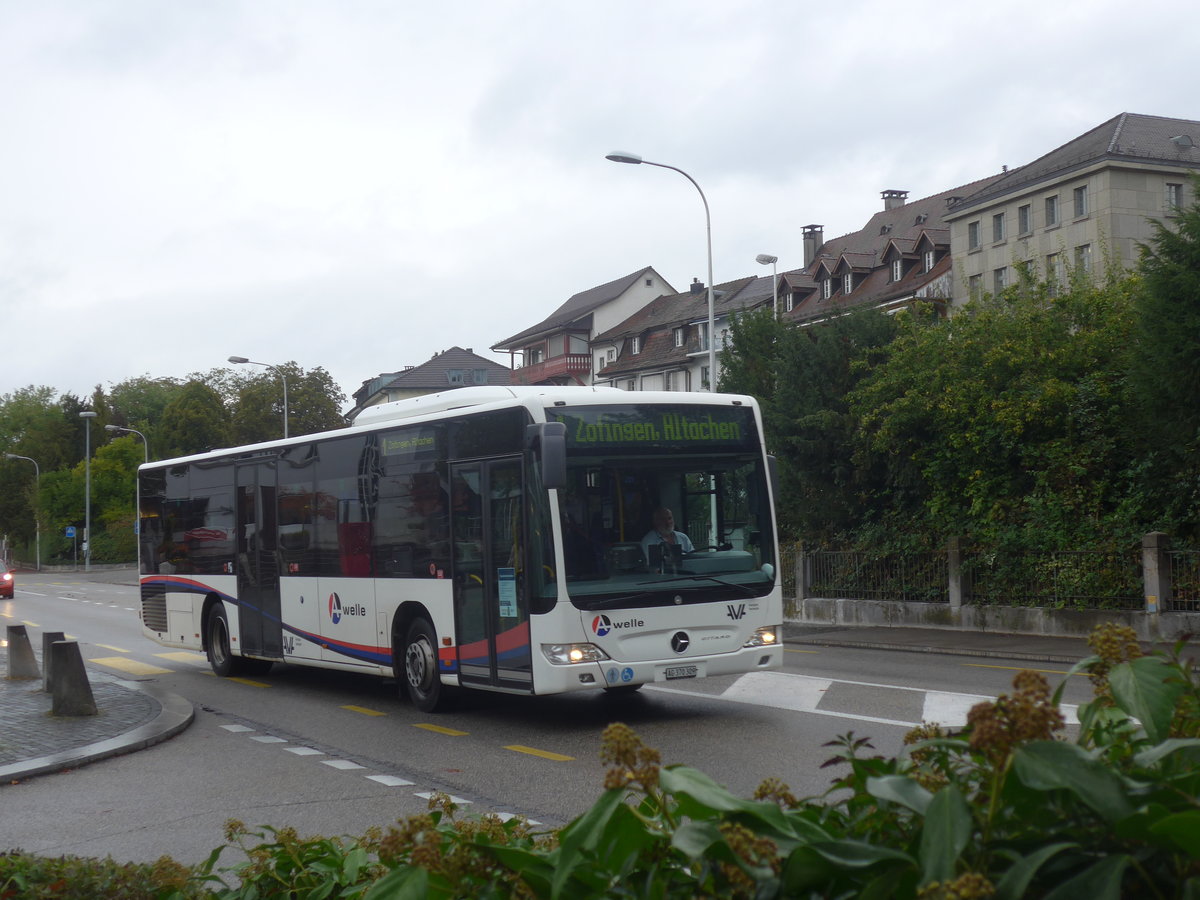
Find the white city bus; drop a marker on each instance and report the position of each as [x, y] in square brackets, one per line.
[488, 538]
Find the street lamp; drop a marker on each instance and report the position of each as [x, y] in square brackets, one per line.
[116, 428]
[238, 360]
[37, 523]
[634, 160]
[87, 415]
[767, 259]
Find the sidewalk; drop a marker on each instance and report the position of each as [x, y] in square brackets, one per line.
[131, 716]
[953, 641]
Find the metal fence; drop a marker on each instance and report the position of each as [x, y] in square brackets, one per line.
[1076, 579]
[916, 577]
[1185, 581]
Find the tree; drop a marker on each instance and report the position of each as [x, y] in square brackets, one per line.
[194, 422]
[1006, 423]
[314, 404]
[1166, 369]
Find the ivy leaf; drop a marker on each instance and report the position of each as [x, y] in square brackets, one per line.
[1144, 688]
[948, 828]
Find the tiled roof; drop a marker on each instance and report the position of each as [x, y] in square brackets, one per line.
[575, 309]
[1127, 137]
[434, 374]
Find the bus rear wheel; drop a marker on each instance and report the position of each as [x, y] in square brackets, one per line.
[220, 657]
[421, 676]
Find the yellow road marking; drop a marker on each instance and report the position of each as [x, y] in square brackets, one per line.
[439, 729]
[544, 754]
[365, 711]
[1020, 669]
[790, 650]
[187, 656]
[249, 682]
[111, 647]
[132, 666]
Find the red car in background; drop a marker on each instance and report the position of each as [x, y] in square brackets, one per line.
[8, 579]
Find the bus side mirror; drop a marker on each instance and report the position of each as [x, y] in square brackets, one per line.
[548, 440]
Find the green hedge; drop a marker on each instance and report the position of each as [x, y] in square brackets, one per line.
[1006, 808]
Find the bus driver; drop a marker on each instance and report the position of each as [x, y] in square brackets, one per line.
[664, 532]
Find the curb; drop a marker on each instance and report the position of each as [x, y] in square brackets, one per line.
[1024, 656]
[174, 715]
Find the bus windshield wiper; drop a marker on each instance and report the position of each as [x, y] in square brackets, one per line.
[734, 584]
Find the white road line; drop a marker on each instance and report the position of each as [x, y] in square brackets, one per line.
[389, 780]
[343, 764]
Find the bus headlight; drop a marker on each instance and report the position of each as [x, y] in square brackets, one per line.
[569, 654]
[766, 636]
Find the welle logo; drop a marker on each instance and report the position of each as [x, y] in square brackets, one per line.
[337, 610]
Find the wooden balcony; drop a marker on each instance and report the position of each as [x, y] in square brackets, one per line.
[571, 368]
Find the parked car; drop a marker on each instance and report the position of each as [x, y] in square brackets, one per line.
[8, 579]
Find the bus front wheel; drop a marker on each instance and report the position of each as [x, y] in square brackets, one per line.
[420, 666]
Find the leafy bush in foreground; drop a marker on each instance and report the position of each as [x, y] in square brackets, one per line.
[1005, 808]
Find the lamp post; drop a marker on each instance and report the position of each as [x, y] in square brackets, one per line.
[87, 415]
[37, 523]
[634, 159]
[146, 443]
[238, 360]
[767, 259]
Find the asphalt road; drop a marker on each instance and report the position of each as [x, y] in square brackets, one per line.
[334, 753]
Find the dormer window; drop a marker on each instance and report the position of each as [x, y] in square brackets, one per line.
[826, 288]
[848, 283]
[679, 335]
[455, 377]
[789, 302]
[897, 269]
[635, 345]
[929, 260]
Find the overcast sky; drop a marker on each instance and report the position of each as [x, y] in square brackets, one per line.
[359, 184]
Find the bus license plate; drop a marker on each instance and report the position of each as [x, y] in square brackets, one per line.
[672, 672]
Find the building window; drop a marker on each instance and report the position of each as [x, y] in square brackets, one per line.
[1024, 219]
[999, 279]
[1081, 201]
[612, 353]
[1174, 197]
[704, 377]
[973, 236]
[1052, 210]
[998, 227]
[669, 381]
[679, 336]
[848, 283]
[1083, 258]
[826, 288]
[599, 363]
[630, 385]
[897, 269]
[635, 345]
[789, 302]
[1054, 274]
[975, 286]
[479, 376]
[455, 376]
[930, 258]
[536, 355]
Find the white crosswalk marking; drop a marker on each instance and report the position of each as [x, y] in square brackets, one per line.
[805, 693]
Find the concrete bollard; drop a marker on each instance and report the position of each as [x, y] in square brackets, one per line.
[21, 661]
[71, 689]
[48, 638]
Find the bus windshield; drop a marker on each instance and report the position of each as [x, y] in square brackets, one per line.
[664, 504]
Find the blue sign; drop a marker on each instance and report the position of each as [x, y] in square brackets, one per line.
[70, 531]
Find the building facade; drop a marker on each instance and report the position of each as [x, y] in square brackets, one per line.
[1080, 208]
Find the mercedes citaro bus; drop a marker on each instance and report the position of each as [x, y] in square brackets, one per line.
[488, 537]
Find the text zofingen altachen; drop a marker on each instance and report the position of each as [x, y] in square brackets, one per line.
[670, 427]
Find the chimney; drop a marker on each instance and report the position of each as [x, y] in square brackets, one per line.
[814, 237]
[893, 198]
[697, 286]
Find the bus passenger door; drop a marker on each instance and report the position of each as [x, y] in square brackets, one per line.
[490, 603]
[261, 630]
